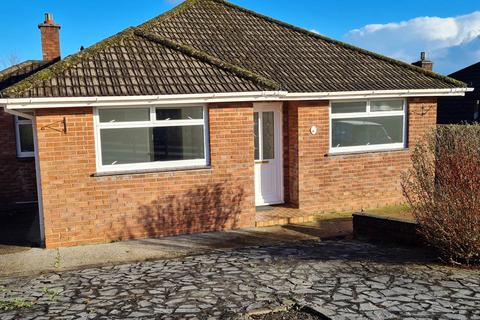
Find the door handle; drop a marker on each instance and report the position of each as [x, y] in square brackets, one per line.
[261, 161]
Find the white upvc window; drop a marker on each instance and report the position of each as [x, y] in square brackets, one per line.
[367, 125]
[24, 137]
[153, 137]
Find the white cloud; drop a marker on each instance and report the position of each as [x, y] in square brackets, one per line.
[315, 31]
[452, 42]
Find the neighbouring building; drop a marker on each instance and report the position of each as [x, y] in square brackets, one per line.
[463, 109]
[193, 119]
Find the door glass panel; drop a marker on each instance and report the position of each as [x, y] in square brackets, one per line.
[268, 130]
[256, 136]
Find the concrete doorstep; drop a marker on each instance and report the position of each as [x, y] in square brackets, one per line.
[28, 261]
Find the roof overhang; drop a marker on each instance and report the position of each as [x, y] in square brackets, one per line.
[184, 99]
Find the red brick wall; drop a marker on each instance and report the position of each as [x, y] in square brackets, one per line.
[50, 35]
[80, 208]
[346, 182]
[17, 176]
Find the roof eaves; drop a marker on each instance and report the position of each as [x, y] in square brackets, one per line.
[65, 64]
[207, 58]
[344, 44]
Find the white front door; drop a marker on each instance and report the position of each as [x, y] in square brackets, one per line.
[268, 153]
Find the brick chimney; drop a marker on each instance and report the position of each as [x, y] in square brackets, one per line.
[424, 63]
[50, 32]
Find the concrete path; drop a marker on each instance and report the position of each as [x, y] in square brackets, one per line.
[341, 279]
[19, 260]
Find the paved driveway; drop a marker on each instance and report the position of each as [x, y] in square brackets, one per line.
[344, 279]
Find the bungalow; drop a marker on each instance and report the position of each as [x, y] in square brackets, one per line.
[193, 119]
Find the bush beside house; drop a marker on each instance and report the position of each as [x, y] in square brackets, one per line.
[443, 189]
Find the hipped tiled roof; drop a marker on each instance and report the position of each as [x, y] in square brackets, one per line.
[206, 46]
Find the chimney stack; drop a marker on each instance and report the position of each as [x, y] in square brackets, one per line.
[424, 63]
[50, 32]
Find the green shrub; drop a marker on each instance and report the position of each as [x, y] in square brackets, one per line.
[443, 189]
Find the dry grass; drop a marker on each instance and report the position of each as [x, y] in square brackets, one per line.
[397, 211]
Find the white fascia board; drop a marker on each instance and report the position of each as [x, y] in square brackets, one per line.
[37, 103]
[183, 99]
[378, 94]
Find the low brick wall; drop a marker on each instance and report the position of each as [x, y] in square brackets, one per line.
[384, 229]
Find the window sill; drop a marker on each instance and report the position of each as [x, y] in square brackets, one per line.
[26, 158]
[144, 171]
[346, 153]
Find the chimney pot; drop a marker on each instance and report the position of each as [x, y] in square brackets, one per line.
[424, 63]
[50, 32]
[48, 18]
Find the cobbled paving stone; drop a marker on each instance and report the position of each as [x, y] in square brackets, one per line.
[342, 279]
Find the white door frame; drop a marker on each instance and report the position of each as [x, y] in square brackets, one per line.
[277, 108]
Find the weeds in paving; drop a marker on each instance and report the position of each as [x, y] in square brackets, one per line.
[13, 303]
[57, 263]
[17, 303]
[52, 295]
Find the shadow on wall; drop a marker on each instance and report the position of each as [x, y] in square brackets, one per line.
[212, 207]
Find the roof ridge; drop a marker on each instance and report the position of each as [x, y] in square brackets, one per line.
[167, 14]
[66, 63]
[17, 66]
[206, 57]
[341, 43]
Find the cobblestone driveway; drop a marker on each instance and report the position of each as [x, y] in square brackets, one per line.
[346, 279]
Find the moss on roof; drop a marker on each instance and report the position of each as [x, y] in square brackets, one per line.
[205, 57]
[66, 63]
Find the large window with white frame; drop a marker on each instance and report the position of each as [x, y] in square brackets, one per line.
[24, 137]
[137, 138]
[366, 125]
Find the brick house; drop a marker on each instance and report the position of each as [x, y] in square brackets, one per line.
[193, 119]
[464, 109]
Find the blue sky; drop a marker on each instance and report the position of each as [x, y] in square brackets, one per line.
[448, 30]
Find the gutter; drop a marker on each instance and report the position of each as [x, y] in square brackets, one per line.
[185, 99]
[18, 113]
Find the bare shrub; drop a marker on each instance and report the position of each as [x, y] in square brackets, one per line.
[443, 189]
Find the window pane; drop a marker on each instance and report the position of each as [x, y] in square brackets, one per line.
[179, 113]
[367, 131]
[124, 115]
[26, 137]
[268, 129]
[348, 107]
[178, 143]
[137, 145]
[256, 136]
[389, 105]
[121, 146]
